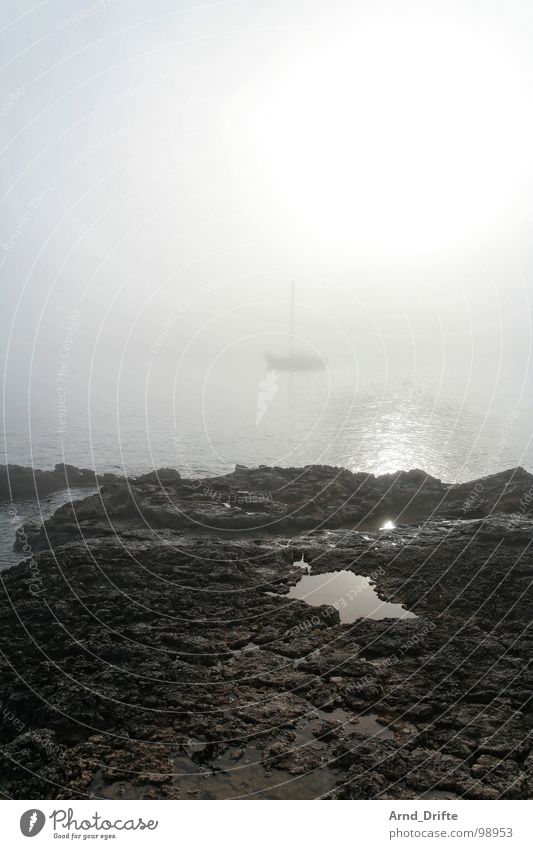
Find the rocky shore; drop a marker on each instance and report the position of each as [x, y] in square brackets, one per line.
[21, 482]
[150, 649]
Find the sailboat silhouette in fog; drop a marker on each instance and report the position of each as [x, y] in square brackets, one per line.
[294, 360]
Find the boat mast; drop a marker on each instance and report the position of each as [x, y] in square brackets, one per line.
[291, 324]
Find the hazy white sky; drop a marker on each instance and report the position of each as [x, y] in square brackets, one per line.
[186, 159]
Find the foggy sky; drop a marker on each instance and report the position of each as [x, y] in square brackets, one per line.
[133, 195]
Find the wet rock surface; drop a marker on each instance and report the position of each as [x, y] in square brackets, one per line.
[272, 501]
[22, 482]
[149, 649]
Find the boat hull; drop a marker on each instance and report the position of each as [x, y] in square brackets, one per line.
[294, 362]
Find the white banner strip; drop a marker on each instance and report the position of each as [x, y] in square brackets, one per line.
[256, 825]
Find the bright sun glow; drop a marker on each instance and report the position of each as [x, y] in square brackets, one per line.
[401, 138]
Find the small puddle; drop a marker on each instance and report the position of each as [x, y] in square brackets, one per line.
[352, 595]
[369, 725]
[242, 772]
[439, 794]
[247, 777]
[342, 723]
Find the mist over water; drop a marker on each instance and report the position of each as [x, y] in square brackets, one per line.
[155, 214]
[208, 422]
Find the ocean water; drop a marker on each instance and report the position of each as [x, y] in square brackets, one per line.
[17, 512]
[205, 418]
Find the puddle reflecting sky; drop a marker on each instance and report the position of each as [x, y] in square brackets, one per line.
[352, 595]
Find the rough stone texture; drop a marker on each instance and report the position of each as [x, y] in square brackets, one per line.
[150, 651]
[21, 482]
[277, 501]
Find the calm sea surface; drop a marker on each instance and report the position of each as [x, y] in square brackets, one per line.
[205, 419]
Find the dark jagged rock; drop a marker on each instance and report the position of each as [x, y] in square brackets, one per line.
[18, 483]
[279, 501]
[150, 649]
[159, 476]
